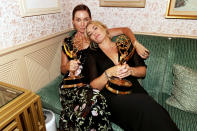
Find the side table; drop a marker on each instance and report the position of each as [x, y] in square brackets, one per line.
[20, 109]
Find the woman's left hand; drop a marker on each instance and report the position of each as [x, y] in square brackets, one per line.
[124, 71]
[141, 50]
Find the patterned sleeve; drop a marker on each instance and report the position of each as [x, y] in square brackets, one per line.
[67, 43]
[63, 44]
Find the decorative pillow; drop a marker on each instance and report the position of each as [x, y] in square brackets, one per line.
[184, 92]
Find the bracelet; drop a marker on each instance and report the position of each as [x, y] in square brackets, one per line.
[106, 75]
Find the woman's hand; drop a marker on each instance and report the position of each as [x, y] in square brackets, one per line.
[124, 71]
[73, 65]
[120, 71]
[113, 71]
[141, 50]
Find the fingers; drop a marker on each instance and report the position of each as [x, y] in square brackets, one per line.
[73, 65]
[147, 51]
[123, 70]
[123, 75]
[78, 62]
[120, 71]
[113, 71]
[141, 50]
[145, 54]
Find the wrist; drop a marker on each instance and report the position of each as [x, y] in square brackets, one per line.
[131, 71]
[106, 75]
[135, 44]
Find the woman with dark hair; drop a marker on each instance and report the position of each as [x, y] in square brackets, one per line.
[83, 107]
[130, 106]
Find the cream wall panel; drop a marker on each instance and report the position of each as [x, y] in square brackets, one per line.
[44, 56]
[33, 64]
[37, 75]
[10, 70]
[9, 73]
[55, 68]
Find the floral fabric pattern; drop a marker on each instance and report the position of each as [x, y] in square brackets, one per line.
[84, 109]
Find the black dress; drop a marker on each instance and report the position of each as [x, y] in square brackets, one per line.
[133, 112]
[84, 108]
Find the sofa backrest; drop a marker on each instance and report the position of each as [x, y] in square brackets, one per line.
[164, 52]
[156, 63]
[182, 51]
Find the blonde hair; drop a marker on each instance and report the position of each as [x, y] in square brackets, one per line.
[99, 24]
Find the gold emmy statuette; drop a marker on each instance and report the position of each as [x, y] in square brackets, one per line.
[123, 44]
[72, 80]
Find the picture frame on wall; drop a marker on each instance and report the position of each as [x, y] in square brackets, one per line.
[38, 7]
[123, 3]
[183, 9]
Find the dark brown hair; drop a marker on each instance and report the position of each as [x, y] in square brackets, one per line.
[81, 7]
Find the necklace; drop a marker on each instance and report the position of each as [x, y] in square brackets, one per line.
[81, 44]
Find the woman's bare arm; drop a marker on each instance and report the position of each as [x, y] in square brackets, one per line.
[64, 61]
[141, 50]
[99, 82]
[139, 71]
[124, 30]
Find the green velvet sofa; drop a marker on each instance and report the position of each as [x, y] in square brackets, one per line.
[164, 52]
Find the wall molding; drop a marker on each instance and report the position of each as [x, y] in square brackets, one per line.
[30, 43]
[165, 35]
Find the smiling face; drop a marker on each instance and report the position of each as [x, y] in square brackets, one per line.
[96, 32]
[80, 20]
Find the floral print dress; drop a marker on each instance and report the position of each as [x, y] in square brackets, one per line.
[84, 108]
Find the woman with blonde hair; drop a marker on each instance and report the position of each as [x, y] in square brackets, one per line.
[131, 107]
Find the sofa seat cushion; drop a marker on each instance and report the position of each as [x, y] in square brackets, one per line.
[116, 127]
[49, 95]
[182, 119]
